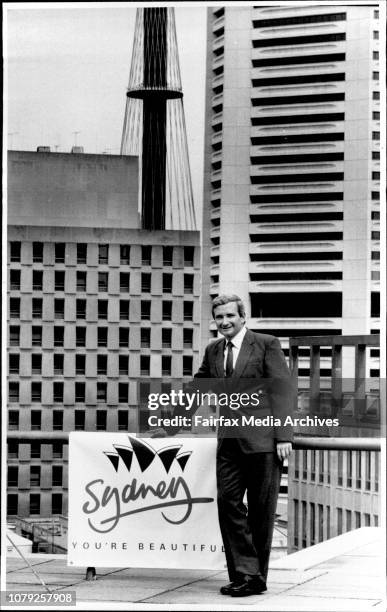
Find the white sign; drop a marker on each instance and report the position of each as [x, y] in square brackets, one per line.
[137, 502]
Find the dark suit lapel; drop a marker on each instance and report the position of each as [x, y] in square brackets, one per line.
[244, 355]
[219, 359]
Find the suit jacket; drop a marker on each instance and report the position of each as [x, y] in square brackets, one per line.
[260, 366]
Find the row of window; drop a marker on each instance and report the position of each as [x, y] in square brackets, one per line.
[356, 463]
[103, 281]
[315, 520]
[102, 309]
[103, 253]
[36, 451]
[102, 360]
[56, 506]
[79, 423]
[35, 479]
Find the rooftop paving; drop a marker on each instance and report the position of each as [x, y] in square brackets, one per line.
[344, 573]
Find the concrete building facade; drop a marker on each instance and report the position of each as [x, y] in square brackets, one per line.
[291, 193]
[96, 305]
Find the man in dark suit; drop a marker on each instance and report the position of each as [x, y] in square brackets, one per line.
[251, 459]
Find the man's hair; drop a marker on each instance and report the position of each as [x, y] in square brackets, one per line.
[220, 300]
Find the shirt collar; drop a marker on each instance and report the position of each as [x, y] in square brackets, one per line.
[238, 338]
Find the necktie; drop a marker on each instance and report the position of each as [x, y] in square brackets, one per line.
[229, 360]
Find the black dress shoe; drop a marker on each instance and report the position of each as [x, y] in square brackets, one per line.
[226, 589]
[252, 585]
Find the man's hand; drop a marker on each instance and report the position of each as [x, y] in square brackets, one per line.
[158, 433]
[283, 450]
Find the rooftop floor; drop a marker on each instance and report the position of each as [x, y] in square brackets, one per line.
[344, 573]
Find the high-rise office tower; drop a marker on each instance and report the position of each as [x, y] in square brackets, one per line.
[291, 195]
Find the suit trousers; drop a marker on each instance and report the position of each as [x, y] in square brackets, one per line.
[247, 532]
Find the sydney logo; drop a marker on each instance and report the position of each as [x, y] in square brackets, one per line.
[139, 495]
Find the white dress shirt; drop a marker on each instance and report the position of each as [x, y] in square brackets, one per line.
[237, 343]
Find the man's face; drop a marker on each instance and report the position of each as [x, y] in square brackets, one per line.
[228, 320]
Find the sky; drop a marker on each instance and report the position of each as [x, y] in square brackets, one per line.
[68, 69]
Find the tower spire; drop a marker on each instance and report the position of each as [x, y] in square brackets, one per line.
[154, 125]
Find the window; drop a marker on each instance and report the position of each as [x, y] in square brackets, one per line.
[56, 503]
[167, 311]
[123, 420]
[80, 392]
[376, 176]
[145, 310]
[375, 235]
[79, 420]
[146, 255]
[102, 309]
[58, 364]
[375, 135]
[124, 282]
[59, 305]
[375, 55]
[37, 252]
[15, 248]
[37, 280]
[123, 392]
[14, 308]
[35, 450]
[80, 336]
[101, 420]
[81, 280]
[57, 476]
[34, 503]
[123, 337]
[13, 449]
[124, 310]
[36, 392]
[36, 335]
[375, 255]
[187, 365]
[13, 391]
[81, 253]
[189, 256]
[375, 275]
[59, 281]
[123, 365]
[145, 337]
[14, 279]
[375, 304]
[167, 283]
[57, 450]
[81, 309]
[12, 504]
[80, 365]
[102, 365]
[124, 254]
[146, 282]
[37, 308]
[349, 468]
[376, 35]
[35, 475]
[376, 95]
[145, 365]
[14, 335]
[167, 256]
[166, 365]
[166, 337]
[13, 419]
[13, 363]
[103, 281]
[58, 391]
[60, 252]
[102, 336]
[103, 253]
[188, 283]
[376, 115]
[101, 391]
[57, 420]
[36, 420]
[187, 338]
[58, 336]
